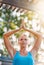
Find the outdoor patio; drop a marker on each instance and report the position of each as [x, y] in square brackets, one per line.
[11, 13]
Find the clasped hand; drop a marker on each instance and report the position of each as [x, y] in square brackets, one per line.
[22, 26]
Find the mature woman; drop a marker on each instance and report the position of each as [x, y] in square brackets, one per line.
[22, 57]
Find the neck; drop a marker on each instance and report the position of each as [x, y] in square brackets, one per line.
[23, 49]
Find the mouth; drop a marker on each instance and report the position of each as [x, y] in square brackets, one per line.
[24, 44]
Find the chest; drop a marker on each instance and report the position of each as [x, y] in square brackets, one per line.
[23, 59]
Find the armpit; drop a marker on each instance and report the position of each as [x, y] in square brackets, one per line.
[34, 53]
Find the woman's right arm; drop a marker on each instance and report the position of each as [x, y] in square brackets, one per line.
[7, 43]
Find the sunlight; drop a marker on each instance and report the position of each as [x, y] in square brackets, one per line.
[1, 46]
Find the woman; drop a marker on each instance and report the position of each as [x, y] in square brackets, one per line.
[22, 57]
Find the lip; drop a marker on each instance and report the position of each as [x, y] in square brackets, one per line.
[24, 44]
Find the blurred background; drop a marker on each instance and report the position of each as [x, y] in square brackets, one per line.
[11, 20]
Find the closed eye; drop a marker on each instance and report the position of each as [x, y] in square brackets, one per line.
[21, 39]
[25, 39]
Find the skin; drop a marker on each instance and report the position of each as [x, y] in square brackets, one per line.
[22, 41]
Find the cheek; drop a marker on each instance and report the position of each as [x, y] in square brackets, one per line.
[20, 42]
[28, 42]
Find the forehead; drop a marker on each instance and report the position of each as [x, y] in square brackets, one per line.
[23, 36]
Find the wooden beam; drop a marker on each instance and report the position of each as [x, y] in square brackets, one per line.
[13, 8]
[18, 9]
[25, 4]
[8, 6]
[22, 10]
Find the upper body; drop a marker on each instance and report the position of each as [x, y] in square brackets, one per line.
[23, 56]
[23, 60]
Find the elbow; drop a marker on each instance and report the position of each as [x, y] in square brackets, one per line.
[40, 36]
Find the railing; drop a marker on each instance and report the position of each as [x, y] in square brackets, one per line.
[5, 60]
[8, 61]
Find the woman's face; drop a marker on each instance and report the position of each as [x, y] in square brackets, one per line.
[23, 40]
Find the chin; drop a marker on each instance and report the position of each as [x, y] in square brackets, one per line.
[23, 45]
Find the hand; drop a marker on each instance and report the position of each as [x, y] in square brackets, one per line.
[22, 25]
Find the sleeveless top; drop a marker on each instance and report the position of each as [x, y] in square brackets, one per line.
[23, 60]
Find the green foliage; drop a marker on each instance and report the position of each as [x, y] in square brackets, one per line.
[19, 33]
[7, 14]
[1, 32]
[1, 51]
[11, 22]
[0, 13]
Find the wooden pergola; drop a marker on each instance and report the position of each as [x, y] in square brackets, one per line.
[21, 5]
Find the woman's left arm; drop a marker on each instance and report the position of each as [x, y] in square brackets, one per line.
[37, 42]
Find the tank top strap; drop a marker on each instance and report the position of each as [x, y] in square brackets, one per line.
[16, 53]
[30, 53]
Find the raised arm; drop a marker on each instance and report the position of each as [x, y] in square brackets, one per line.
[37, 42]
[38, 39]
[7, 43]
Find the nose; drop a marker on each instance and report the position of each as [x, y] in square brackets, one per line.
[24, 41]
